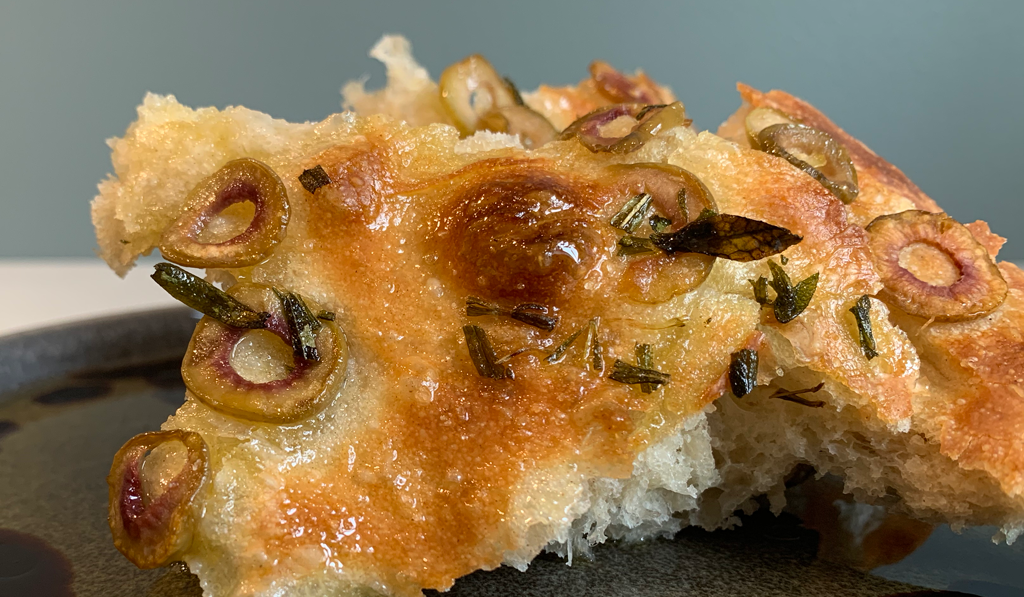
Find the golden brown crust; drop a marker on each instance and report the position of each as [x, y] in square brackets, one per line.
[988, 239]
[466, 444]
[420, 491]
[884, 188]
[985, 430]
[989, 349]
[974, 393]
[768, 188]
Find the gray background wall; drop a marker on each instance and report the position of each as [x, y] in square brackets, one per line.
[937, 87]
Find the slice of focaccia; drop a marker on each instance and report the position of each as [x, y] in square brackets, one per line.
[463, 325]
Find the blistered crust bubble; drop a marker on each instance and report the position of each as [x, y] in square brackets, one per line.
[520, 231]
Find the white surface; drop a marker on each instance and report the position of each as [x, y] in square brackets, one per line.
[39, 292]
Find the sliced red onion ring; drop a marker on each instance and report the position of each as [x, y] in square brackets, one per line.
[650, 120]
[153, 531]
[306, 387]
[681, 197]
[619, 88]
[979, 289]
[238, 181]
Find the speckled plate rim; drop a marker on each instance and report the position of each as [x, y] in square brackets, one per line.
[161, 335]
[117, 340]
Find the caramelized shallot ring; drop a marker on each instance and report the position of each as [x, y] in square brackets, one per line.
[153, 533]
[619, 88]
[979, 289]
[305, 391]
[680, 195]
[650, 120]
[238, 181]
[470, 89]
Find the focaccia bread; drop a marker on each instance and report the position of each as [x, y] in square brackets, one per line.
[475, 325]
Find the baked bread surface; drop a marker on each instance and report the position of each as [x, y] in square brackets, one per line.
[420, 470]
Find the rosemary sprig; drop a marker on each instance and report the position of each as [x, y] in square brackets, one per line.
[797, 396]
[645, 360]
[206, 298]
[559, 352]
[302, 324]
[482, 353]
[631, 374]
[596, 350]
[862, 312]
[790, 301]
[529, 313]
[635, 245]
[632, 213]
[659, 223]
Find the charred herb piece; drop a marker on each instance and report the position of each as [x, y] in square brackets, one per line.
[511, 355]
[659, 223]
[797, 396]
[529, 313]
[645, 360]
[635, 245]
[482, 353]
[325, 315]
[727, 236]
[632, 213]
[314, 178]
[559, 352]
[302, 324]
[535, 315]
[476, 307]
[743, 372]
[790, 300]
[596, 351]
[862, 312]
[783, 259]
[760, 290]
[631, 374]
[206, 298]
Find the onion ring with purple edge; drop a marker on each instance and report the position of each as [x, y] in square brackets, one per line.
[619, 88]
[680, 196]
[154, 531]
[238, 181]
[650, 120]
[304, 388]
[815, 152]
[979, 289]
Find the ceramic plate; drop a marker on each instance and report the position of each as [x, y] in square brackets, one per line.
[71, 395]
